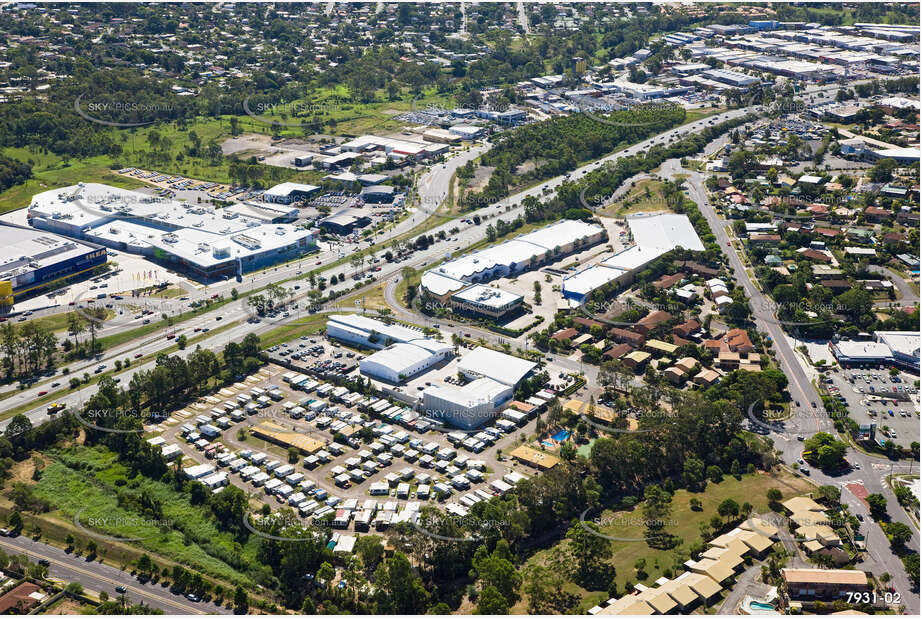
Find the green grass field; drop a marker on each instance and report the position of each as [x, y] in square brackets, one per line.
[90, 481]
[646, 196]
[309, 325]
[683, 523]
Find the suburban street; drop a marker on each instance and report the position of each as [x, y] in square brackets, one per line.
[809, 414]
[96, 577]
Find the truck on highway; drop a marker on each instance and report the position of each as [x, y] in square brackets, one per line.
[56, 407]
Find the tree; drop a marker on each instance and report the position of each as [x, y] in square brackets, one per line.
[899, 534]
[657, 506]
[728, 508]
[496, 570]
[401, 589]
[491, 601]
[693, 473]
[714, 474]
[588, 552]
[825, 451]
[774, 495]
[877, 503]
[371, 551]
[240, 600]
[882, 170]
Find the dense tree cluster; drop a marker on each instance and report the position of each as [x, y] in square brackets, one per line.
[13, 172]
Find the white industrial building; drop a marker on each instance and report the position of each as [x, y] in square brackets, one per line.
[486, 363]
[33, 261]
[204, 241]
[904, 346]
[654, 235]
[486, 300]
[493, 377]
[403, 351]
[468, 406]
[513, 256]
[368, 332]
[401, 361]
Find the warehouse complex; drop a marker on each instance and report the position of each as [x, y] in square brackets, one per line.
[493, 377]
[403, 351]
[654, 235]
[456, 280]
[205, 242]
[34, 261]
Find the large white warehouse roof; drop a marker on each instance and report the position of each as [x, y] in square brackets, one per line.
[478, 392]
[501, 367]
[201, 235]
[664, 230]
[363, 326]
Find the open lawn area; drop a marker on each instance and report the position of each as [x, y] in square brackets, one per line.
[683, 523]
[51, 172]
[646, 196]
[310, 325]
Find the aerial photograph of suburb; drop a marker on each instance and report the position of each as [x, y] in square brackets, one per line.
[460, 308]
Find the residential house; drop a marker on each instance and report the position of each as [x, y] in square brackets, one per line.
[651, 321]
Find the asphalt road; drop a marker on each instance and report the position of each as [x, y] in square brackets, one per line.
[909, 296]
[96, 577]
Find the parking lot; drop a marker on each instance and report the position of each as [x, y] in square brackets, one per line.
[377, 462]
[873, 396]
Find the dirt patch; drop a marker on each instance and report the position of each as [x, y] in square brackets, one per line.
[480, 178]
[68, 607]
[23, 471]
[527, 166]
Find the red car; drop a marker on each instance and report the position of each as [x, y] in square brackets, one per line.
[319, 262]
[138, 355]
[40, 393]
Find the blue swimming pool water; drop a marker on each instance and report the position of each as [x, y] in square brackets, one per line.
[560, 435]
[757, 605]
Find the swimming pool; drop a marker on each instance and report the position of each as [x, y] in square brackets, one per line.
[758, 605]
[560, 436]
